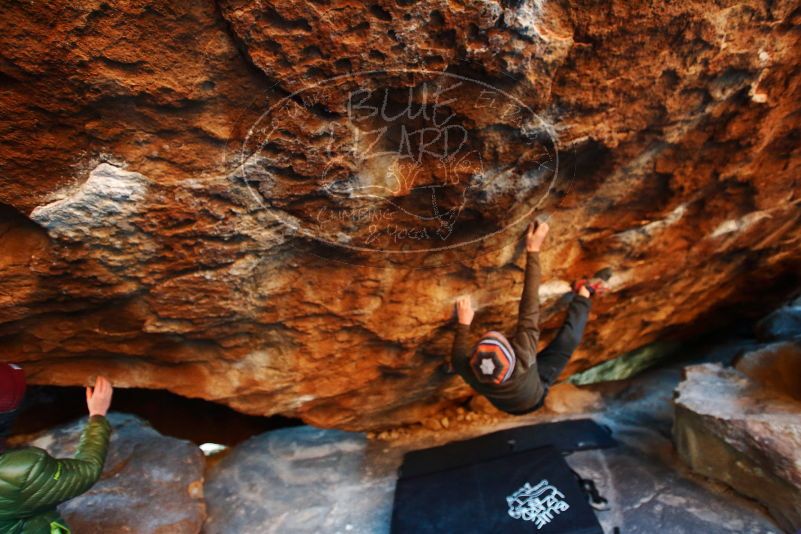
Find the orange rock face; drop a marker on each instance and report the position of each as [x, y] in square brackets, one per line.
[273, 205]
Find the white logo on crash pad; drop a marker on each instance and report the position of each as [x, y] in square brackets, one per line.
[487, 366]
[539, 503]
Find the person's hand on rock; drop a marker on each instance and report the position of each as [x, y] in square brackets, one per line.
[464, 310]
[536, 235]
[99, 399]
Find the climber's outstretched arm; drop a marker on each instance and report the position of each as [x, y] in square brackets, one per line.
[464, 314]
[528, 319]
[38, 481]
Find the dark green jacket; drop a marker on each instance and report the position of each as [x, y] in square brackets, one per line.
[33, 483]
[524, 391]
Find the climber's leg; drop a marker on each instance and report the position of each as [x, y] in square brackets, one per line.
[553, 359]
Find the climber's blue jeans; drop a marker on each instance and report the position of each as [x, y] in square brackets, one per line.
[553, 358]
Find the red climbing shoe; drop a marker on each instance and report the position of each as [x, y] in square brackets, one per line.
[595, 286]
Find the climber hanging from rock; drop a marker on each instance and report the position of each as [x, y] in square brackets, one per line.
[33, 483]
[510, 373]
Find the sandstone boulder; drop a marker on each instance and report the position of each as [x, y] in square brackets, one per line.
[300, 480]
[151, 484]
[187, 201]
[784, 323]
[730, 428]
[776, 367]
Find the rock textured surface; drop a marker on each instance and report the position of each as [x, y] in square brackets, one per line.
[144, 469]
[299, 480]
[733, 429]
[776, 367]
[189, 202]
[784, 323]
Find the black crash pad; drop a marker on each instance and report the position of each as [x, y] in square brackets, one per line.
[566, 436]
[529, 491]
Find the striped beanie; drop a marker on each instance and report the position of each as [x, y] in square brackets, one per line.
[493, 359]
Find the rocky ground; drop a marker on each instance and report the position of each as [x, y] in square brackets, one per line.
[648, 487]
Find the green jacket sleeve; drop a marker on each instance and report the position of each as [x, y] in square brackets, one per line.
[528, 319]
[51, 481]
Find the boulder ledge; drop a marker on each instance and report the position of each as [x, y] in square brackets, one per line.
[731, 428]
